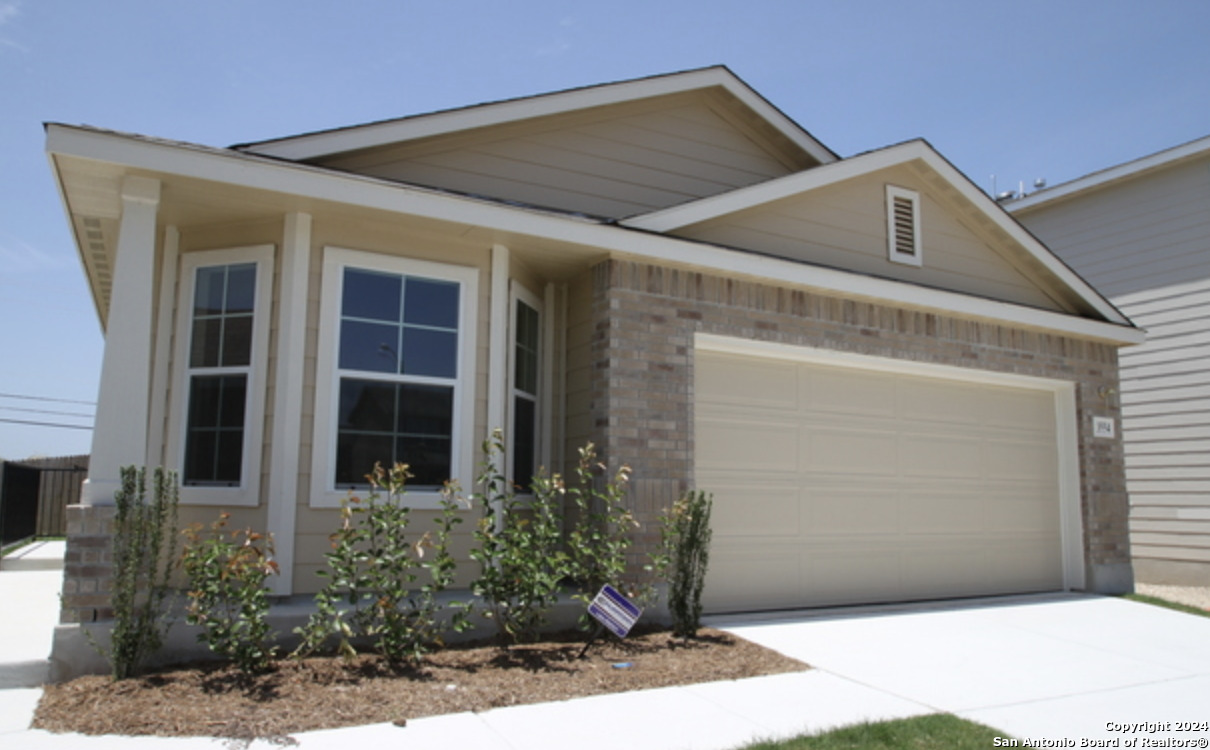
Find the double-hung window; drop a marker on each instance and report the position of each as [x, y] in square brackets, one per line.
[222, 338]
[398, 371]
[524, 435]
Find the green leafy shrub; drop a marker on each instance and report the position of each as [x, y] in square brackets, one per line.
[227, 592]
[519, 548]
[683, 558]
[603, 528]
[373, 565]
[144, 560]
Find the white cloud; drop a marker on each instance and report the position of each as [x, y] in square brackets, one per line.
[9, 11]
[18, 256]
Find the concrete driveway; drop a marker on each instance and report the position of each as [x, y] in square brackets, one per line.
[1058, 667]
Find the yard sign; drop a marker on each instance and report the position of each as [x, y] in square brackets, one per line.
[614, 611]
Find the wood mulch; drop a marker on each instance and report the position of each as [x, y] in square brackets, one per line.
[322, 693]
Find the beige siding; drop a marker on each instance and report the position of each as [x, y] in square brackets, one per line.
[613, 161]
[1146, 244]
[844, 226]
[1149, 233]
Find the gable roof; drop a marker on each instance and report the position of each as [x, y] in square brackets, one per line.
[988, 211]
[312, 146]
[1111, 175]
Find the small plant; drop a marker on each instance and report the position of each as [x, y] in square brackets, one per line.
[373, 566]
[144, 560]
[227, 592]
[684, 557]
[519, 548]
[603, 529]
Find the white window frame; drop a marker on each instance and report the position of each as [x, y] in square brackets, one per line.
[894, 254]
[518, 293]
[324, 493]
[247, 494]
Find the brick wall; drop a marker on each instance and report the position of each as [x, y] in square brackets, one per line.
[88, 564]
[645, 317]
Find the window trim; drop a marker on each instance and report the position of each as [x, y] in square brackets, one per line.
[324, 493]
[247, 494]
[894, 254]
[519, 293]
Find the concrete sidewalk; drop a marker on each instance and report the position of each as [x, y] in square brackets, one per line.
[1057, 667]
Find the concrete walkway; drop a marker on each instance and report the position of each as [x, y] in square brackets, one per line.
[1056, 667]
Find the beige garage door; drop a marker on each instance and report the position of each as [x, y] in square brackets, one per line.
[841, 485]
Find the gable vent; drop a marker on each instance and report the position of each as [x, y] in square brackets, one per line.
[903, 226]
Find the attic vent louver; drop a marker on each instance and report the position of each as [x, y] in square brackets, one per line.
[903, 226]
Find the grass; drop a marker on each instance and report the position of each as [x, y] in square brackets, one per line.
[933, 732]
[1155, 600]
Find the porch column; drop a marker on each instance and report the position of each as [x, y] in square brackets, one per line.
[497, 383]
[119, 436]
[288, 397]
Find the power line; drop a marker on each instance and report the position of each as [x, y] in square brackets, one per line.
[44, 398]
[47, 424]
[47, 411]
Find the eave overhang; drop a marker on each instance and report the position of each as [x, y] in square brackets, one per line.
[308, 185]
[311, 146]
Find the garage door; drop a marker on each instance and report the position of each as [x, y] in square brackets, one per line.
[841, 485]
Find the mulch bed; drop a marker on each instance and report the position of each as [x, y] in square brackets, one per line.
[321, 693]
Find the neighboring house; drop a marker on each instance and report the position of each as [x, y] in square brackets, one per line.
[1140, 233]
[887, 383]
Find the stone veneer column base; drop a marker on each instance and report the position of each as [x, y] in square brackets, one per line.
[88, 564]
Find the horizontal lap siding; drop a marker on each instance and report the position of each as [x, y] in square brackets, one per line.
[624, 160]
[1146, 244]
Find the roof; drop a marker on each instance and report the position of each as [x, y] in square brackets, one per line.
[1111, 175]
[318, 144]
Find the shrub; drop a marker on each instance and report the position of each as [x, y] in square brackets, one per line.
[603, 529]
[519, 548]
[684, 557]
[373, 566]
[227, 592]
[144, 560]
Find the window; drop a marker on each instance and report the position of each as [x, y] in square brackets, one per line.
[903, 226]
[221, 354]
[526, 331]
[396, 365]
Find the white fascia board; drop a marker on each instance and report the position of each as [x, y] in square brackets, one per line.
[1112, 174]
[670, 219]
[314, 145]
[342, 188]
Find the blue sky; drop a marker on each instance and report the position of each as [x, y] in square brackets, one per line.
[1020, 89]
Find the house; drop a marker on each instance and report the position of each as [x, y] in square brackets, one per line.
[1140, 233]
[887, 383]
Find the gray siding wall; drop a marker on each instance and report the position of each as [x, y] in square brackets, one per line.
[1146, 245]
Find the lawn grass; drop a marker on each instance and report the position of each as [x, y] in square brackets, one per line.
[932, 732]
[1155, 600]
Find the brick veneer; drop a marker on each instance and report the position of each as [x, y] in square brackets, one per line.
[88, 564]
[645, 318]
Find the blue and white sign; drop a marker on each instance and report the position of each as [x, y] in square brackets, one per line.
[614, 611]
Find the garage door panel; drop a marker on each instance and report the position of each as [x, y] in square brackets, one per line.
[934, 512]
[754, 446]
[1015, 461]
[852, 511]
[839, 390]
[948, 402]
[833, 450]
[873, 486]
[924, 455]
[753, 576]
[754, 509]
[767, 384]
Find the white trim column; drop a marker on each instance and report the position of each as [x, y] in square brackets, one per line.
[282, 507]
[497, 366]
[119, 435]
[163, 347]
